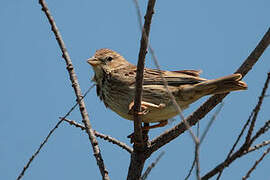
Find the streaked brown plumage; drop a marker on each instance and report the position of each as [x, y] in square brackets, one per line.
[115, 80]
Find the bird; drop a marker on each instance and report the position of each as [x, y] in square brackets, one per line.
[115, 80]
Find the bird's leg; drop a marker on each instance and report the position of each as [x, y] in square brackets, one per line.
[146, 128]
[160, 124]
[145, 106]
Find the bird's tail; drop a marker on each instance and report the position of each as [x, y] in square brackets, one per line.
[221, 85]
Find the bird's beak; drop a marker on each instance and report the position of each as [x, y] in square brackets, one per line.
[93, 61]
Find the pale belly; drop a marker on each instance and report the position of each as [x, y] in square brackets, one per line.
[153, 115]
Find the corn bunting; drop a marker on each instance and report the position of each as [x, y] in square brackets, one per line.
[115, 85]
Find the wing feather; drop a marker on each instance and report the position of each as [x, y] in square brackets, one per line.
[174, 78]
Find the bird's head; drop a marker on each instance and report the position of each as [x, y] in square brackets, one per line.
[105, 61]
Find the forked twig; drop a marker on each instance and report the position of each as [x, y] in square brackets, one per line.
[257, 146]
[244, 149]
[261, 131]
[248, 141]
[77, 90]
[38, 150]
[48, 136]
[101, 135]
[257, 109]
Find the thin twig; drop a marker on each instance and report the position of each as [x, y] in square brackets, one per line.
[197, 153]
[211, 122]
[201, 140]
[151, 166]
[261, 131]
[180, 128]
[77, 90]
[228, 161]
[191, 168]
[197, 162]
[235, 143]
[257, 109]
[253, 116]
[49, 135]
[38, 150]
[195, 139]
[243, 150]
[257, 146]
[256, 164]
[249, 140]
[102, 136]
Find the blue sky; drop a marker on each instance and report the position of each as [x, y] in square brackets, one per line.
[215, 36]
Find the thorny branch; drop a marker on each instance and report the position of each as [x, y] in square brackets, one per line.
[77, 90]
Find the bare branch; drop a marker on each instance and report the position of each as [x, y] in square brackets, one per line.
[239, 153]
[151, 166]
[102, 136]
[138, 157]
[225, 163]
[139, 74]
[180, 128]
[256, 164]
[249, 140]
[77, 89]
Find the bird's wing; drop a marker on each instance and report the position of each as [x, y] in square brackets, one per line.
[174, 78]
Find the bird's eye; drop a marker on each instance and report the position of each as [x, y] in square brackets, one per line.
[109, 58]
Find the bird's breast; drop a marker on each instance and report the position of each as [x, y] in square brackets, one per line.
[115, 94]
